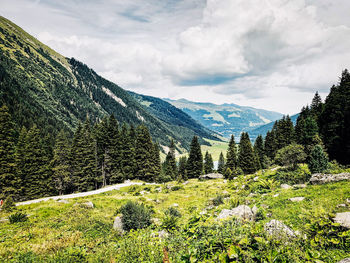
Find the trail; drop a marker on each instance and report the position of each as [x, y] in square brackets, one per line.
[94, 192]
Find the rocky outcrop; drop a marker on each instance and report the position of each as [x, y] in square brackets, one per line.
[327, 178]
[242, 212]
[343, 219]
[278, 229]
[211, 176]
[118, 224]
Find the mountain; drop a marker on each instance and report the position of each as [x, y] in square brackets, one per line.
[44, 88]
[226, 119]
[268, 127]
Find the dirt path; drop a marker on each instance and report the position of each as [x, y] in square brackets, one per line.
[94, 192]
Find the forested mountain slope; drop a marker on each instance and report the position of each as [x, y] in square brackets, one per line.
[44, 88]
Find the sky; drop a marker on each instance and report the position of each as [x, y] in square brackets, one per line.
[269, 54]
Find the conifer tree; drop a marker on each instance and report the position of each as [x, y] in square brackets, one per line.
[182, 168]
[9, 183]
[128, 163]
[143, 154]
[231, 155]
[221, 164]
[260, 151]
[170, 162]
[246, 156]
[20, 161]
[318, 161]
[61, 165]
[270, 145]
[156, 162]
[194, 164]
[113, 153]
[208, 163]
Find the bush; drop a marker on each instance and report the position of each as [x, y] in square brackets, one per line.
[290, 155]
[8, 204]
[176, 188]
[17, 217]
[218, 200]
[292, 176]
[135, 216]
[170, 219]
[318, 160]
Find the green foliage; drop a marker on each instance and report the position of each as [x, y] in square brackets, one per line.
[264, 186]
[208, 163]
[169, 166]
[292, 176]
[318, 161]
[290, 155]
[8, 204]
[17, 217]
[217, 200]
[246, 157]
[182, 168]
[221, 164]
[194, 164]
[135, 216]
[170, 219]
[176, 188]
[231, 155]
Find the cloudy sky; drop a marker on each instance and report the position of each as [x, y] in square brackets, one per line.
[270, 54]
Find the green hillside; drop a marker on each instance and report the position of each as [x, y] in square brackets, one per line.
[44, 88]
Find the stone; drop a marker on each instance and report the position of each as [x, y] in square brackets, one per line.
[255, 210]
[275, 195]
[203, 212]
[297, 199]
[175, 205]
[211, 176]
[225, 192]
[256, 178]
[348, 200]
[298, 186]
[345, 260]
[184, 183]
[156, 221]
[118, 224]
[87, 204]
[343, 219]
[241, 212]
[341, 205]
[264, 206]
[163, 234]
[144, 192]
[319, 178]
[64, 201]
[169, 186]
[285, 186]
[159, 189]
[278, 229]
[225, 181]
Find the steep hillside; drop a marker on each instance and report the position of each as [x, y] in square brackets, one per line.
[44, 88]
[226, 119]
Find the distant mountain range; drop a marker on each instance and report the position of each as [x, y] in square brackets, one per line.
[42, 87]
[227, 119]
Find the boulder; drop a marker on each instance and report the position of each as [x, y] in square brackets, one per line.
[343, 219]
[342, 205]
[64, 201]
[319, 178]
[285, 186]
[211, 176]
[87, 204]
[275, 195]
[345, 260]
[298, 186]
[118, 224]
[242, 212]
[163, 234]
[278, 229]
[255, 210]
[175, 205]
[297, 199]
[184, 183]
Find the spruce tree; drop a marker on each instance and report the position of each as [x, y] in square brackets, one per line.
[113, 153]
[170, 168]
[246, 156]
[20, 161]
[194, 164]
[143, 154]
[231, 155]
[156, 162]
[208, 163]
[270, 145]
[182, 168]
[127, 161]
[318, 161]
[260, 151]
[61, 165]
[9, 183]
[221, 164]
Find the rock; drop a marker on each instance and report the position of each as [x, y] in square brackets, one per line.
[209, 207]
[163, 234]
[297, 199]
[64, 201]
[211, 176]
[252, 194]
[345, 260]
[343, 219]
[255, 210]
[298, 186]
[225, 192]
[175, 205]
[256, 178]
[348, 201]
[241, 212]
[326, 178]
[159, 189]
[118, 224]
[156, 221]
[169, 186]
[278, 229]
[285, 186]
[341, 205]
[225, 181]
[275, 195]
[264, 206]
[87, 204]
[184, 183]
[203, 212]
[144, 192]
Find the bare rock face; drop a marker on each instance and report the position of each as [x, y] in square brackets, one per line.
[278, 229]
[118, 224]
[242, 212]
[327, 178]
[343, 219]
[297, 199]
[211, 176]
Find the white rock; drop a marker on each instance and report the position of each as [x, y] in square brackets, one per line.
[184, 183]
[241, 212]
[297, 199]
[256, 178]
[159, 189]
[275, 195]
[343, 219]
[341, 205]
[118, 224]
[87, 204]
[175, 204]
[225, 192]
[211, 176]
[255, 210]
[348, 200]
[299, 186]
[278, 229]
[285, 186]
[64, 201]
[326, 178]
[345, 260]
[163, 234]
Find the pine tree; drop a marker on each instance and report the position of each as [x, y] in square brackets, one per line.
[9, 183]
[143, 154]
[260, 151]
[182, 168]
[20, 161]
[221, 164]
[270, 145]
[284, 132]
[113, 153]
[246, 156]
[61, 164]
[318, 161]
[208, 163]
[170, 162]
[194, 164]
[156, 163]
[231, 155]
[127, 160]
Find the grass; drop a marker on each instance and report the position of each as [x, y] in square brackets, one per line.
[59, 232]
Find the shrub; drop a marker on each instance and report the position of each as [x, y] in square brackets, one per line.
[218, 200]
[170, 219]
[292, 176]
[176, 188]
[8, 204]
[290, 155]
[135, 216]
[318, 160]
[17, 217]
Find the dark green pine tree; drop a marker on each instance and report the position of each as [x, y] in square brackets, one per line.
[182, 168]
[36, 172]
[231, 155]
[62, 174]
[284, 132]
[221, 164]
[9, 182]
[270, 145]
[194, 164]
[113, 154]
[318, 161]
[316, 106]
[143, 154]
[156, 162]
[102, 150]
[260, 151]
[20, 161]
[127, 161]
[170, 168]
[208, 163]
[246, 156]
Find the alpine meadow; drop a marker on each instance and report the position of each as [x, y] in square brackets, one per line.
[197, 131]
